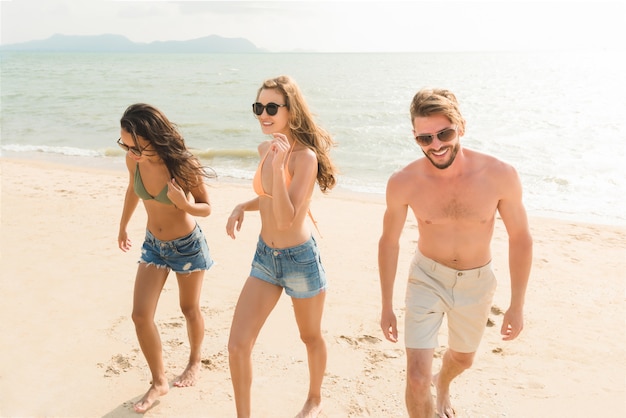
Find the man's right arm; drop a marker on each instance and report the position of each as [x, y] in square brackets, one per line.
[388, 250]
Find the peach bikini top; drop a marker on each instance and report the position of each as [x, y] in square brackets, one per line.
[257, 183]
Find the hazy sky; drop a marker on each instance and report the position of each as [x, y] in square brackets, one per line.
[331, 26]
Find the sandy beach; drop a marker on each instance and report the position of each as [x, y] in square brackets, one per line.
[68, 346]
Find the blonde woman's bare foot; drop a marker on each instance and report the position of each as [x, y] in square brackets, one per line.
[444, 408]
[189, 377]
[154, 393]
[311, 409]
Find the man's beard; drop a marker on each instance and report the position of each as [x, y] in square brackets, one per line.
[453, 151]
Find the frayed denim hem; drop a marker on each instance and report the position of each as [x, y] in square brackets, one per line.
[163, 266]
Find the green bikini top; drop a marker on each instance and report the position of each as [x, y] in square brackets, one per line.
[141, 191]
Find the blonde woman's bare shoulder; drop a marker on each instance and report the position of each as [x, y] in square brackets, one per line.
[263, 147]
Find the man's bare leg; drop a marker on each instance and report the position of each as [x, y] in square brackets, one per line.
[454, 363]
[419, 400]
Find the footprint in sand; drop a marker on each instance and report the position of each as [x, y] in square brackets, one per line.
[172, 324]
[343, 340]
[218, 361]
[363, 339]
[210, 312]
[496, 310]
[439, 352]
[118, 364]
[375, 356]
[174, 342]
[369, 339]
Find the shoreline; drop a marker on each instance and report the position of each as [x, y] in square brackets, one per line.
[69, 348]
[116, 164]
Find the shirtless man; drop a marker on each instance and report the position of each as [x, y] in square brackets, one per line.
[454, 193]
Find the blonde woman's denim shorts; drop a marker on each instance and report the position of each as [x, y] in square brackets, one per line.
[463, 296]
[297, 269]
[182, 255]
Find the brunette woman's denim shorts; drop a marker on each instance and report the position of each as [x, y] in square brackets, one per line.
[183, 255]
[297, 269]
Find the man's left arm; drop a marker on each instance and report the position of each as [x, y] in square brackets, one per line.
[515, 220]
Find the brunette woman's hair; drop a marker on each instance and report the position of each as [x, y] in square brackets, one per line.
[147, 121]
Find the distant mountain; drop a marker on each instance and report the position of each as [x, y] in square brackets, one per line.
[119, 43]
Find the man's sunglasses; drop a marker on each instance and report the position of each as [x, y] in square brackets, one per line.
[270, 108]
[126, 148]
[446, 135]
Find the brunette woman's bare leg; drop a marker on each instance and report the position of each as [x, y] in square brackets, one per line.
[190, 288]
[256, 301]
[148, 286]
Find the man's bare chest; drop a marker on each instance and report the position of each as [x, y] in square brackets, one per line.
[461, 204]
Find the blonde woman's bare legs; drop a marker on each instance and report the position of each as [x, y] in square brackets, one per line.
[256, 301]
[308, 314]
[148, 285]
[190, 288]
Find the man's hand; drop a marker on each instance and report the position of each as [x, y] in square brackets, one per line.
[389, 325]
[512, 324]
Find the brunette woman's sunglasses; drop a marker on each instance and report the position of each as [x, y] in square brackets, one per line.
[446, 135]
[270, 108]
[126, 148]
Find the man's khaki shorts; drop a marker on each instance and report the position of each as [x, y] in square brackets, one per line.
[433, 290]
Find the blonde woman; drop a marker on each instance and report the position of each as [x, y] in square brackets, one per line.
[287, 256]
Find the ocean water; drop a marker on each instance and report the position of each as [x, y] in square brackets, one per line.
[558, 117]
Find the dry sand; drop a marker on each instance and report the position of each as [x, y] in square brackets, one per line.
[68, 347]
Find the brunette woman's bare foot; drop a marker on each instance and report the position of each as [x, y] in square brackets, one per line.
[154, 393]
[189, 377]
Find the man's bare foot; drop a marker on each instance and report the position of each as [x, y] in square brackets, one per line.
[150, 397]
[189, 377]
[444, 408]
[311, 409]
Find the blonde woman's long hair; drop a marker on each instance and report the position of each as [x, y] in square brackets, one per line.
[305, 130]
